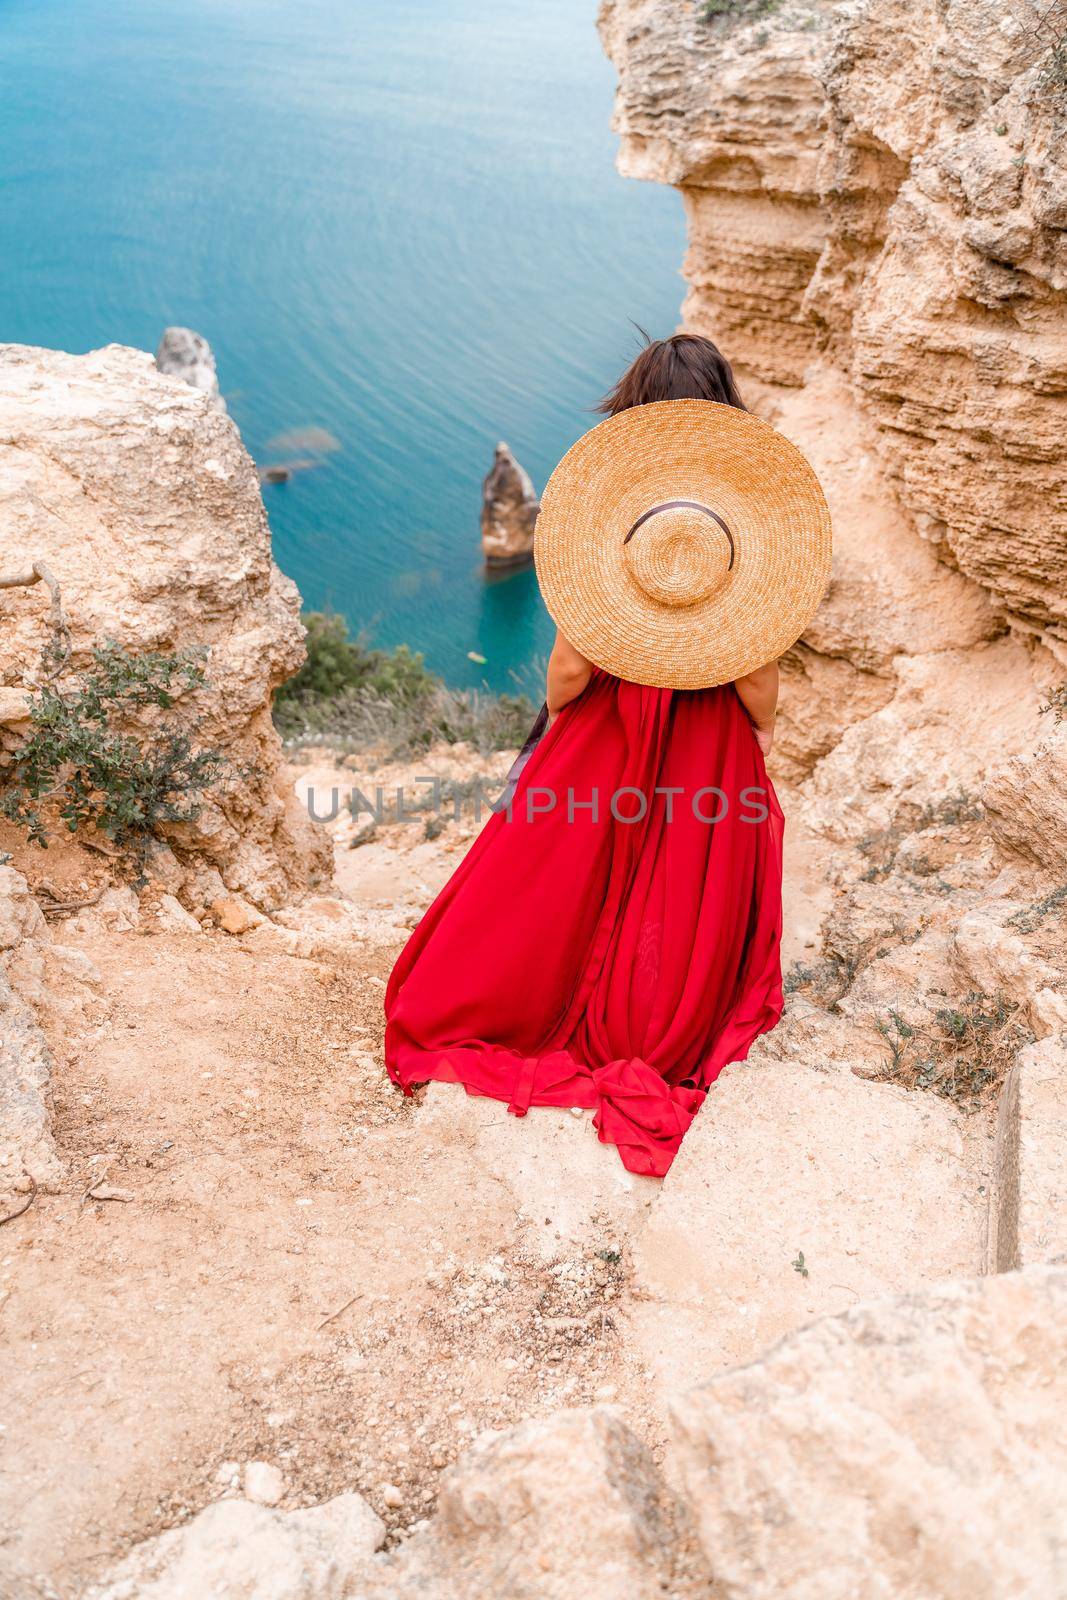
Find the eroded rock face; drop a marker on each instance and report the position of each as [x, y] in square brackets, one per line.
[144, 503]
[882, 183]
[912, 1447]
[509, 512]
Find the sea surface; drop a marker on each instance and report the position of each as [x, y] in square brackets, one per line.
[399, 225]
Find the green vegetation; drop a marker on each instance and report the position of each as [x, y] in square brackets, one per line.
[882, 847]
[1031, 917]
[354, 697]
[826, 980]
[82, 763]
[966, 1055]
[739, 10]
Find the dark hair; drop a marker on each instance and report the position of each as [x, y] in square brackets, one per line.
[684, 367]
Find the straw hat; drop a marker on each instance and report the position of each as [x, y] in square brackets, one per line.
[682, 544]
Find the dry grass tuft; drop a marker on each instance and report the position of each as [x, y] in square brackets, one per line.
[964, 1056]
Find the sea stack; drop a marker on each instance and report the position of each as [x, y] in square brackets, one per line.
[509, 511]
[187, 355]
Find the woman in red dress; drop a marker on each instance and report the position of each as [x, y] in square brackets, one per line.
[611, 939]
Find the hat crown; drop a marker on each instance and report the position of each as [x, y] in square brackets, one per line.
[679, 552]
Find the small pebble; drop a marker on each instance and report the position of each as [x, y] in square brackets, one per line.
[263, 1483]
[391, 1495]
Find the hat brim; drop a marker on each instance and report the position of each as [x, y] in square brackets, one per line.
[754, 478]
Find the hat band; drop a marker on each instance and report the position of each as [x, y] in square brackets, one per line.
[692, 505]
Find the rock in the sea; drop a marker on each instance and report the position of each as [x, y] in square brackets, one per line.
[238, 1551]
[509, 512]
[913, 1448]
[187, 355]
[144, 503]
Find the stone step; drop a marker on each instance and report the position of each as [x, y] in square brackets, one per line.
[798, 1192]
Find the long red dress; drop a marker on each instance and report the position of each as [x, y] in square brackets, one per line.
[613, 959]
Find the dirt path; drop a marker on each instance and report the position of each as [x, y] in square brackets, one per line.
[299, 1275]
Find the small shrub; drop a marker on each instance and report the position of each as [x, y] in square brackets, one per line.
[825, 980]
[1043, 23]
[337, 664]
[356, 698]
[1031, 917]
[964, 1057]
[81, 762]
[883, 846]
[1056, 705]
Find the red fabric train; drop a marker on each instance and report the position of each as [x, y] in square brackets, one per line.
[612, 956]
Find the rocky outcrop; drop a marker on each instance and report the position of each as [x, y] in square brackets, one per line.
[187, 355]
[874, 194]
[911, 1447]
[844, 1462]
[557, 1508]
[509, 512]
[143, 502]
[235, 1550]
[882, 184]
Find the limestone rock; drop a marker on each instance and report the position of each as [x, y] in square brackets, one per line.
[27, 1149]
[954, 715]
[509, 512]
[798, 1191]
[996, 960]
[528, 1154]
[172, 917]
[733, 117]
[234, 916]
[143, 501]
[14, 708]
[884, 183]
[913, 1448]
[1026, 801]
[1028, 1210]
[20, 915]
[187, 355]
[235, 1550]
[559, 1507]
[263, 1483]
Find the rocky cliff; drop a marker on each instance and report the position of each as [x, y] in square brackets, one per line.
[363, 1307]
[142, 501]
[883, 185]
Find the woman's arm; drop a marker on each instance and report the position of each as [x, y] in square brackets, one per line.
[758, 693]
[568, 674]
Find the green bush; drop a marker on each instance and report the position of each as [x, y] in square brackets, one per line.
[82, 762]
[355, 697]
[336, 664]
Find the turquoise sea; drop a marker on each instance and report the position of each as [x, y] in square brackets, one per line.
[398, 223]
